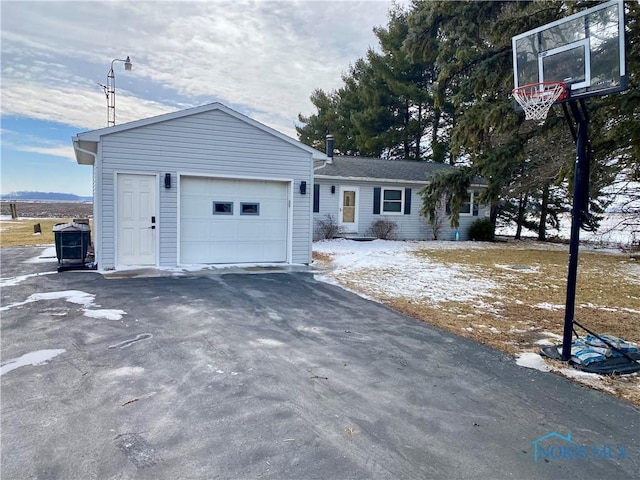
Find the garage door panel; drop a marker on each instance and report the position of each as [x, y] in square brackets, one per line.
[271, 209]
[195, 207]
[265, 230]
[274, 231]
[206, 237]
[227, 233]
[193, 229]
[193, 252]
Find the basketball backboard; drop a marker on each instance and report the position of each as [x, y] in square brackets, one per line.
[586, 51]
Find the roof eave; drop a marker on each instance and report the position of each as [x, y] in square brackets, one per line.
[371, 179]
[388, 180]
[85, 151]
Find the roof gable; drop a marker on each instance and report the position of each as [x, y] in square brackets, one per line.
[94, 136]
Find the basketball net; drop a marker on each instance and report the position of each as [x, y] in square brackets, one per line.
[536, 98]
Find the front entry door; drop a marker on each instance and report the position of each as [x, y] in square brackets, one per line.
[136, 219]
[348, 213]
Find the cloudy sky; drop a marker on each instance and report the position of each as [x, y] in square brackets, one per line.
[261, 58]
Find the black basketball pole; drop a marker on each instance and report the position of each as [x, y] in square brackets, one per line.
[578, 212]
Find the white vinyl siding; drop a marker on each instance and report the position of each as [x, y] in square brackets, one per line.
[211, 143]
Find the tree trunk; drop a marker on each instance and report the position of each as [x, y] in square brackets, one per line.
[419, 132]
[493, 213]
[452, 160]
[407, 141]
[438, 153]
[544, 210]
[522, 205]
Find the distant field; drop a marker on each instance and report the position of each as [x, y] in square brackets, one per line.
[19, 232]
[49, 209]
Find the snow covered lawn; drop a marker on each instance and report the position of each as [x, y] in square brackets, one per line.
[507, 295]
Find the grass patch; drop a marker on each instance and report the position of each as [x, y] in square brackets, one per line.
[533, 282]
[19, 233]
[321, 257]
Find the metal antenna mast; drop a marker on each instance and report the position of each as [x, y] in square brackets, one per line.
[110, 90]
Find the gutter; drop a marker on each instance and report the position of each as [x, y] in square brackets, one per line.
[76, 148]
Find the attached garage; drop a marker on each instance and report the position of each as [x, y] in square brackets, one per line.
[233, 220]
[206, 185]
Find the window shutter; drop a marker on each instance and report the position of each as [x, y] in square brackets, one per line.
[407, 201]
[475, 203]
[376, 200]
[316, 198]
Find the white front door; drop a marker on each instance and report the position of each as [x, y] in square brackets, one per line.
[348, 214]
[136, 219]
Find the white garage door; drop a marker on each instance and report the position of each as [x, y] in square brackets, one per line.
[233, 221]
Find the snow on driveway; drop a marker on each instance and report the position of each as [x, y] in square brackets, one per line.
[77, 297]
[391, 269]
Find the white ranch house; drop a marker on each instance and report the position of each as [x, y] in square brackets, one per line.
[358, 191]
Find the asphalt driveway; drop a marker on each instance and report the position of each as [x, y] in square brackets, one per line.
[274, 376]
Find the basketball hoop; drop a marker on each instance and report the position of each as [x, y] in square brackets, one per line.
[536, 98]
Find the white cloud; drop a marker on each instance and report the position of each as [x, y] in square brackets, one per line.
[68, 105]
[264, 58]
[63, 151]
[16, 141]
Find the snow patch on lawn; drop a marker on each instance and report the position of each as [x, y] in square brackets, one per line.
[548, 306]
[392, 270]
[552, 335]
[519, 268]
[536, 362]
[532, 360]
[599, 307]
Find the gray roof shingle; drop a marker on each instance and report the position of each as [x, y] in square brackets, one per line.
[377, 168]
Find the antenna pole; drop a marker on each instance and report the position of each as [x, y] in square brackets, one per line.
[111, 97]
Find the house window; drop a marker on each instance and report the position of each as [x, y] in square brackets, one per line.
[249, 208]
[470, 206]
[392, 200]
[223, 208]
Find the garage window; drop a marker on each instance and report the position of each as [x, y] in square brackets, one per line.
[223, 208]
[249, 208]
